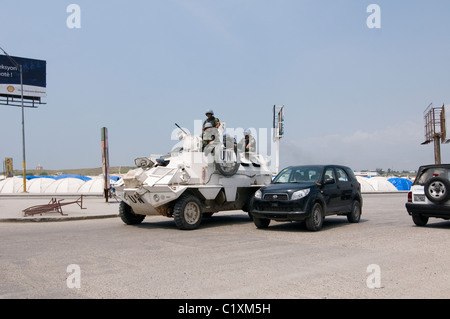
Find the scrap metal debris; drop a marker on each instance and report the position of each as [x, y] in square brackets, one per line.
[53, 206]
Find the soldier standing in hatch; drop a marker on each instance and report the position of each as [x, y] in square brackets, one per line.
[247, 145]
[229, 142]
[211, 119]
[208, 136]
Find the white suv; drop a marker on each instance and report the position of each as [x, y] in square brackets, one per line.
[430, 194]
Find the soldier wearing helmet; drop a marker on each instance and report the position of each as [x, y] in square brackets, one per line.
[209, 136]
[211, 119]
[247, 145]
[229, 142]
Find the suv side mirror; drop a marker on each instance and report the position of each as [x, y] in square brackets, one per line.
[329, 181]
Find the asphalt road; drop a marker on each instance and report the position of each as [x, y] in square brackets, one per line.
[385, 256]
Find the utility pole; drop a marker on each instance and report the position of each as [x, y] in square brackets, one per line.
[437, 149]
[19, 67]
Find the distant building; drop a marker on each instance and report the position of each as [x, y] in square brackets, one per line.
[39, 167]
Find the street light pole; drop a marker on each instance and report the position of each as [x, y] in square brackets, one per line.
[23, 134]
[19, 67]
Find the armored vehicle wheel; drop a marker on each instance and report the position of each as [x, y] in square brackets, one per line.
[128, 216]
[226, 162]
[227, 169]
[187, 212]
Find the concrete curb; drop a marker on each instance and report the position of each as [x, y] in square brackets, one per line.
[45, 195]
[54, 219]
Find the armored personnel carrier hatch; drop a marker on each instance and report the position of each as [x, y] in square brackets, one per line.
[191, 183]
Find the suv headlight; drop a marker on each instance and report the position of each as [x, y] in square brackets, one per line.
[300, 194]
[258, 194]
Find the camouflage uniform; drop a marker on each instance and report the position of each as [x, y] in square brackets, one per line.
[213, 120]
[210, 119]
[209, 135]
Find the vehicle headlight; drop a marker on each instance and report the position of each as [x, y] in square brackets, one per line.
[258, 194]
[300, 194]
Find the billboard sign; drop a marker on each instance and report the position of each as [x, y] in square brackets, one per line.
[34, 77]
[9, 167]
[278, 121]
[445, 124]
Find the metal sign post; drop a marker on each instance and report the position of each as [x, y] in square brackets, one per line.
[278, 132]
[19, 66]
[105, 162]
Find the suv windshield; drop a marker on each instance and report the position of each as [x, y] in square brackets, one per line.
[304, 174]
[430, 173]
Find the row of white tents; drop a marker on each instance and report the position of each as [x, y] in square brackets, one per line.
[72, 185]
[95, 185]
[383, 184]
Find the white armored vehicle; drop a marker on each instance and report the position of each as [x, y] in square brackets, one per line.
[191, 182]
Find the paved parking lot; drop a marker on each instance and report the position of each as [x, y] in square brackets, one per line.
[384, 256]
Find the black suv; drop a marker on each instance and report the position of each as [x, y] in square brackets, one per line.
[430, 194]
[308, 193]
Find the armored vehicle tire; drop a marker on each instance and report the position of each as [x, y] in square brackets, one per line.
[128, 216]
[226, 162]
[187, 212]
[227, 170]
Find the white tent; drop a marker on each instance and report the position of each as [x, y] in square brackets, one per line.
[11, 185]
[365, 186]
[64, 185]
[95, 185]
[381, 184]
[39, 185]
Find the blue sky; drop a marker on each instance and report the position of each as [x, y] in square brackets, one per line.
[353, 95]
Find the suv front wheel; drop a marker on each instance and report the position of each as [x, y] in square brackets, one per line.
[315, 221]
[261, 222]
